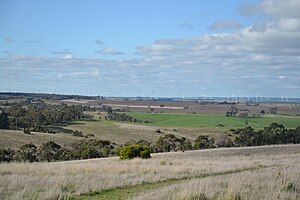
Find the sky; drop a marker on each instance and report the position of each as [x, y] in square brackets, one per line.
[151, 48]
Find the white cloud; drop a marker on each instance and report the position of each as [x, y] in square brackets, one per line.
[259, 59]
[109, 51]
[68, 56]
[282, 77]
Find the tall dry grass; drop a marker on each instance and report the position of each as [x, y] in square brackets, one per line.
[62, 179]
[263, 184]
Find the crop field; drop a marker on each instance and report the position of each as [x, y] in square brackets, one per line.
[268, 172]
[122, 133]
[210, 121]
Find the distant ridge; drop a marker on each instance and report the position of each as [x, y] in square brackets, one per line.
[224, 100]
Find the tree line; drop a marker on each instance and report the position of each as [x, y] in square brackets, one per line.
[37, 116]
[51, 151]
[85, 149]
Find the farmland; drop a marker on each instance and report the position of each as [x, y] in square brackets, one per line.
[198, 174]
[210, 121]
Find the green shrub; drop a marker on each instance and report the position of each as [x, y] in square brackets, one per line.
[145, 153]
[49, 151]
[131, 151]
[6, 155]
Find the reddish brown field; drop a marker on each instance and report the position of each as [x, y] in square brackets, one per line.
[189, 107]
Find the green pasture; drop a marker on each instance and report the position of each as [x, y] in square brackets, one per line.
[210, 121]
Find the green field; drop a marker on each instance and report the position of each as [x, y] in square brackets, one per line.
[210, 121]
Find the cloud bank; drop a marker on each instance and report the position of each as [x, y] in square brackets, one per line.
[260, 59]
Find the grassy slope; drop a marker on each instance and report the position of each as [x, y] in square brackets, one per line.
[107, 130]
[111, 177]
[211, 121]
[15, 139]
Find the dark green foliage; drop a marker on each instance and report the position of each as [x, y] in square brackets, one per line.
[26, 131]
[120, 117]
[232, 111]
[170, 142]
[204, 142]
[273, 110]
[145, 154]
[146, 143]
[273, 134]
[77, 133]
[114, 116]
[131, 151]
[85, 149]
[4, 120]
[90, 149]
[6, 155]
[27, 152]
[43, 129]
[37, 116]
[246, 136]
[49, 151]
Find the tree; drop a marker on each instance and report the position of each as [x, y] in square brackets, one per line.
[232, 111]
[167, 143]
[275, 134]
[4, 121]
[273, 110]
[245, 137]
[204, 142]
[49, 151]
[27, 152]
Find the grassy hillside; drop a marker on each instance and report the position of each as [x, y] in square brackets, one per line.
[210, 121]
[122, 133]
[15, 139]
[249, 173]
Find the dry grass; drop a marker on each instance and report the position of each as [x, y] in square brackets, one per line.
[15, 139]
[271, 183]
[61, 179]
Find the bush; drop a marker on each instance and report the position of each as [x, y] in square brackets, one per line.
[131, 151]
[145, 154]
[26, 131]
[77, 133]
[204, 142]
[6, 155]
[27, 152]
[49, 151]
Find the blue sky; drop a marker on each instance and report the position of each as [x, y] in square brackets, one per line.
[151, 48]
